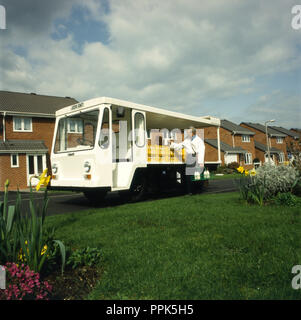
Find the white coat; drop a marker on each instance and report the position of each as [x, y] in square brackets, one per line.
[193, 146]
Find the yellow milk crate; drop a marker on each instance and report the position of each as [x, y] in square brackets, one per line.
[156, 153]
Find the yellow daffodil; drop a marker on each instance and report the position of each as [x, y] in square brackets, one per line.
[44, 180]
[44, 250]
[246, 172]
[253, 172]
[240, 169]
[21, 254]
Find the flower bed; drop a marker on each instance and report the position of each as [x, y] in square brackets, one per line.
[34, 260]
[269, 183]
[24, 284]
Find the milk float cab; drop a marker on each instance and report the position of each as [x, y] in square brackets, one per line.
[106, 144]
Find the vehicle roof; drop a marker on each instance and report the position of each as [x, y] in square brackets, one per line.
[156, 117]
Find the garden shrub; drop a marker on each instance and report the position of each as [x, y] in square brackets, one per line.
[285, 199]
[279, 178]
[297, 189]
[84, 257]
[233, 165]
[22, 234]
[268, 182]
[24, 284]
[224, 170]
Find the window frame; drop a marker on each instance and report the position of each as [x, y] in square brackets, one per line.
[57, 127]
[279, 140]
[22, 124]
[109, 126]
[245, 138]
[76, 126]
[281, 157]
[17, 160]
[137, 129]
[248, 156]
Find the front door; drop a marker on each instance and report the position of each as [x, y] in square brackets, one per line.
[130, 146]
[229, 158]
[36, 164]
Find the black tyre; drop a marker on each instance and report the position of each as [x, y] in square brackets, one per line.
[138, 189]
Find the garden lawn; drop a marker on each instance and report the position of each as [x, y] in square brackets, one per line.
[191, 247]
[225, 176]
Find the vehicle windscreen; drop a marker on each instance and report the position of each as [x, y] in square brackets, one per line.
[77, 132]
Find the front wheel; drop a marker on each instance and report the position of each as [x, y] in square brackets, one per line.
[137, 191]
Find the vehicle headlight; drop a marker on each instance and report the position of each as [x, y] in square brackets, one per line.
[87, 166]
[54, 168]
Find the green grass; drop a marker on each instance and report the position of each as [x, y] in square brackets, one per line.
[197, 247]
[226, 176]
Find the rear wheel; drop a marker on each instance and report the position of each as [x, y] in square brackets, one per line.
[95, 197]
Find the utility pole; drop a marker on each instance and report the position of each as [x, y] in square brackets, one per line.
[267, 137]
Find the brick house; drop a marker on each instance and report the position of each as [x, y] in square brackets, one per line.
[292, 140]
[236, 144]
[26, 131]
[276, 142]
[296, 130]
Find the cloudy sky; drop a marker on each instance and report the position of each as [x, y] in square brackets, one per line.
[234, 59]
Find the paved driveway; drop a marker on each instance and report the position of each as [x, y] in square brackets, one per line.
[71, 202]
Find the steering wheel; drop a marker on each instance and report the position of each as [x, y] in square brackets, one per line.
[82, 141]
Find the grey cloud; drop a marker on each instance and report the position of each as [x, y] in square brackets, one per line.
[165, 53]
[34, 17]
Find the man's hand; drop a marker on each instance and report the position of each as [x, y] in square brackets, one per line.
[171, 144]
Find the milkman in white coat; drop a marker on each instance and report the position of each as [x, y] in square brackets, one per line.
[195, 154]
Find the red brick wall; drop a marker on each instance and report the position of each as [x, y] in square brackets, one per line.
[16, 176]
[291, 143]
[211, 154]
[259, 155]
[227, 137]
[261, 137]
[248, 146]
[281, 146]
[42, 129]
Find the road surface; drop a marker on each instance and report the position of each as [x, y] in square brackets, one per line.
[60, 203]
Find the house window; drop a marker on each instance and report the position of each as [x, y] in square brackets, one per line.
[281, 157]
[14, 159]
[40, 164]
[75, 126]
[248, 158]
[245, 138]
[279, 140]
[22, 124]
[31, 165]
